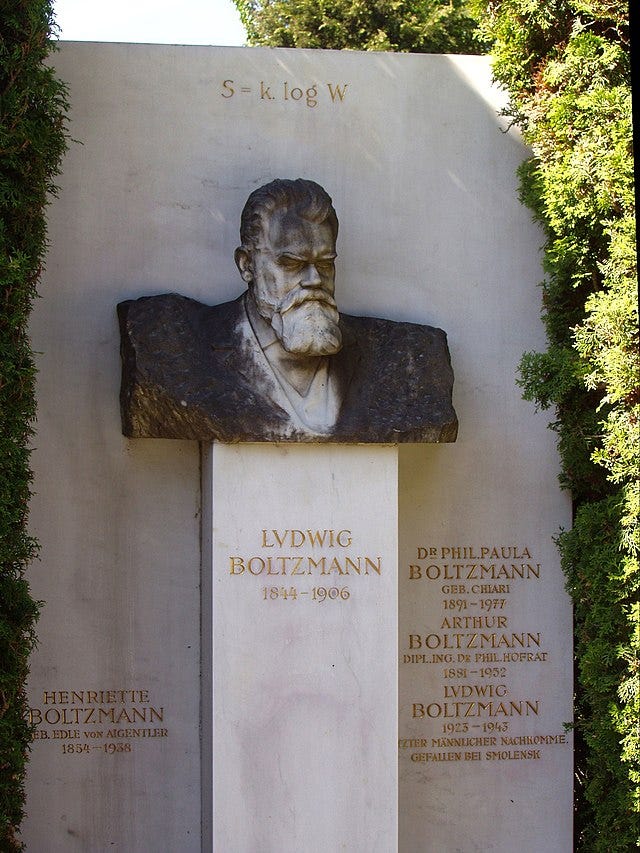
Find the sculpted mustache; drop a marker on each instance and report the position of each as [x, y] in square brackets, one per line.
[300, 296]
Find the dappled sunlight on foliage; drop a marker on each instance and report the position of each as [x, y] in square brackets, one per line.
[415, 26]
[566, 67]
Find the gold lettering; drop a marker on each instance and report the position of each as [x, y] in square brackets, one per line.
[348, 562]
[105, 714]
[475, 640]
[269, 566]
[334, 566]
[122, 715]
[252, 562]
[297, 566]
[514, 755]
[317, 564]
[344, 538]
[373, 564]
[237, 565]
[337, 92]
[522, 708]
[317, 537]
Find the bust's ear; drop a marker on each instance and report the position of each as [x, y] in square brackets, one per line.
[243, 262]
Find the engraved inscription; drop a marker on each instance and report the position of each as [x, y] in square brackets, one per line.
[312, 560]
[492, 748]
[283, 90]
[103, 721]
[474, 650]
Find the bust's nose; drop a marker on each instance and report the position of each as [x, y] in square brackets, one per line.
[310, 276]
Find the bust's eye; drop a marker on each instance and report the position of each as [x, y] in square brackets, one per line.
[291, 264]
[325, 267]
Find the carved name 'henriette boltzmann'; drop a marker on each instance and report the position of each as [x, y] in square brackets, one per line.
[280, 363]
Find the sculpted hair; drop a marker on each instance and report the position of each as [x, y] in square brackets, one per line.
[306, 198]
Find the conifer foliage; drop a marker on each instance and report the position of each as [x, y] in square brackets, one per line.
[415, 26]
[566, 65]
[32, 142]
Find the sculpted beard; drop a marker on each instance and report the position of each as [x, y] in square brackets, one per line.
[306, 322]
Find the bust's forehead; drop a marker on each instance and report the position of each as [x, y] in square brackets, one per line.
[287, 231]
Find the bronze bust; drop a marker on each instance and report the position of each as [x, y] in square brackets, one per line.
[280, 363]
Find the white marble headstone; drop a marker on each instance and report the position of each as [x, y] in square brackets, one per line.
[414, 153]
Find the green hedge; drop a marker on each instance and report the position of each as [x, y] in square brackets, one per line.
[32, 142]
[566, 66]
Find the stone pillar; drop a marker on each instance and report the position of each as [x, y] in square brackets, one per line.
[304, 653]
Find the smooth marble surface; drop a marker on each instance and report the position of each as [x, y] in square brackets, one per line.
[413, 151]
[305, 629]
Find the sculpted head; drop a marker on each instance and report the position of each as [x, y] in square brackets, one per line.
[288, 236]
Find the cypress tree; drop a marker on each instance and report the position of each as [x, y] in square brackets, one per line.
[566, 66]
[32, 143]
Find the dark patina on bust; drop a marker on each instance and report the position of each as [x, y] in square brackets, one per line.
[280, 363]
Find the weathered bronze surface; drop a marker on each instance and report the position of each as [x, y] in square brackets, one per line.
[279, 363]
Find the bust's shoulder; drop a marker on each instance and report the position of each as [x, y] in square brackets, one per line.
[173, 305]
[154, 320]
[392, 332]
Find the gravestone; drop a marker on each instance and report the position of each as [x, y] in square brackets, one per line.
[296, 609]
[136, 654]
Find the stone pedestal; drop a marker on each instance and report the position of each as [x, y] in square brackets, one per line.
[304, 578]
